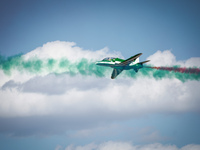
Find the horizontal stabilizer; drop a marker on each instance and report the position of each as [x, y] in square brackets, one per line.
[144, 62]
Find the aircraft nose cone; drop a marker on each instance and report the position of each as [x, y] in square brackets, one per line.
[97, 63]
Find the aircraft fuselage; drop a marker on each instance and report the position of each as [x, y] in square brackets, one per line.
[119, 65]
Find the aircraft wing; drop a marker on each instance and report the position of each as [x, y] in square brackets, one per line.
[130, 60]
[116, 72]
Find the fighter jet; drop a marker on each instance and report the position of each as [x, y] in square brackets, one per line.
[119, 65]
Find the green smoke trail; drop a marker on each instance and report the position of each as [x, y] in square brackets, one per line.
[84, 67]
[38, 66]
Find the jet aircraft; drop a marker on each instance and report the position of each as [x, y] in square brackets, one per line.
[119, 65]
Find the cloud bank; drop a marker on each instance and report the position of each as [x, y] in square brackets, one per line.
[71, 99]
[129, 146]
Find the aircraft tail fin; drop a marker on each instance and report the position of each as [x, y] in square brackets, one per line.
[115, 73]
[140, 65]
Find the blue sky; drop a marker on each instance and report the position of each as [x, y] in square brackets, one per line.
[126, 26]
[48, 111]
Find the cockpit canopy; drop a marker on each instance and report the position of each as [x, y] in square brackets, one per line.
[109, 58]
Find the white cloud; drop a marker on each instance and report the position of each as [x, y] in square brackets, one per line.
[166, 58]
[162, 58]
[25, 94]
[69, 50]
[129, 146]
[90, 99]
[74, 95]
[57, 50]
[193, 62]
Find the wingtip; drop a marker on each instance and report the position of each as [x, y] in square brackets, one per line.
[138, 55]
